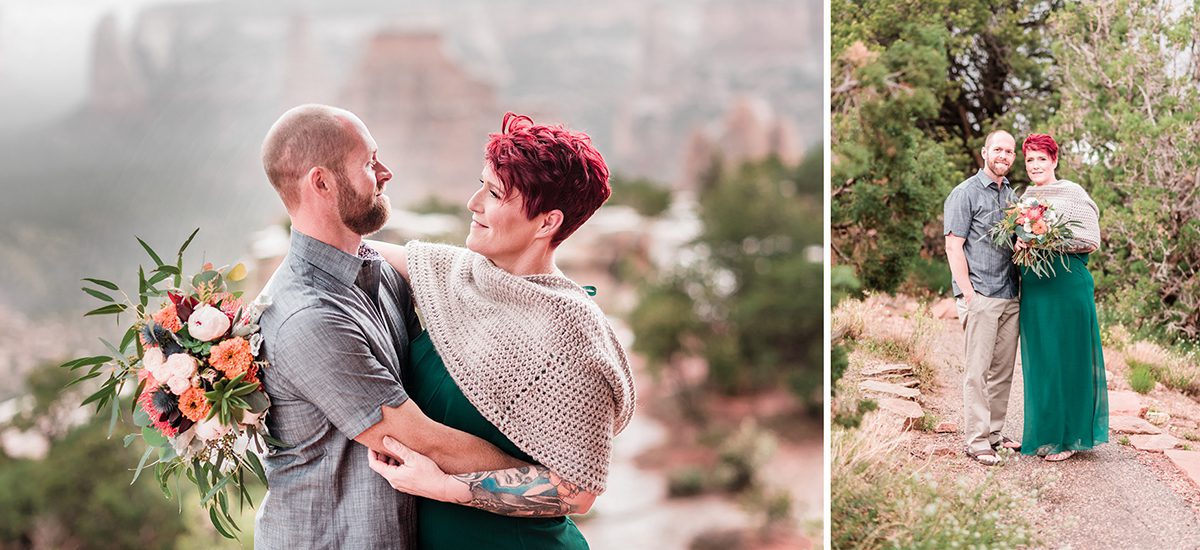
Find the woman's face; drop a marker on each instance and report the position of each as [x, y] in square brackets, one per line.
[1040, 167]
[500, 230]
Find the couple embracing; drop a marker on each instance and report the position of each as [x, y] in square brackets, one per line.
[485, 428]
[1053, 315]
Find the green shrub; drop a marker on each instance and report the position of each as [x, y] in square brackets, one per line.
[1141, 377]
[929, 276]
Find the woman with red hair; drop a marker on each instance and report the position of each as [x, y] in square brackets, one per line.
[514, 352]
[1066, 396]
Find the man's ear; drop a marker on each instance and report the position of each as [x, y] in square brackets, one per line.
[551, 222]
[318, 181]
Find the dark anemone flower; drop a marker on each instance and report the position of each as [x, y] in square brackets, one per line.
[165, 402]
[167, 405]
[158, 335]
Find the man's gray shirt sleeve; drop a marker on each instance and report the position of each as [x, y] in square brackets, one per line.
[956, 214]
[333, 368]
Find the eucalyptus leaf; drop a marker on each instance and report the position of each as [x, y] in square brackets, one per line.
[141, 464]
[187, 242]
[103, 283]
[141, 418]
[153, 437]
[86, 361]
[110, 309]
[128, 338]
[150, 251]
[98, 295]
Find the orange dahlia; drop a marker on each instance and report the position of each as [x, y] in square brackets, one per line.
[194, 405]
[232, 357]
[168, 317]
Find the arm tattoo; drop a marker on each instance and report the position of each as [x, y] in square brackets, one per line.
[528, 491]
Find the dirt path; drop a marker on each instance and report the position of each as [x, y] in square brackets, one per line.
[1112, 497]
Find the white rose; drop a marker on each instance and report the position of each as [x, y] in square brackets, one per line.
[207, 323]
[211, 429]
[154, 362]
[178, 372]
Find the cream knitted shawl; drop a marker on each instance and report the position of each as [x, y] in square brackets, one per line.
[533, 354]
[1072, 203]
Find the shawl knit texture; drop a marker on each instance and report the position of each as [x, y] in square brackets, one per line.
[1071, 202]
[534, 354]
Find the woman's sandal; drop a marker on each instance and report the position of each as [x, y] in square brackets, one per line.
[1059, 456]
[986, 457]
[1006, 443]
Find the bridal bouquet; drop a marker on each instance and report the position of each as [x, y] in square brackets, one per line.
[1044, 232]
[194, 359]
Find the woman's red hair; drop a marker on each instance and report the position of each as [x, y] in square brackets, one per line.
[552, 168]
[1040, 142]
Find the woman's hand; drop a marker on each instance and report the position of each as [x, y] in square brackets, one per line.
[393, 254]
[527, 491]
[411, 472]
[1021, 245]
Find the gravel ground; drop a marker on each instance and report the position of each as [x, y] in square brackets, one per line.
[1110, 497]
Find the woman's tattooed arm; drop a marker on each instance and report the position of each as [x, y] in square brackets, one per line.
[529, 491]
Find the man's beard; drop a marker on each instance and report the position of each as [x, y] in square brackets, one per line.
[362, 216]
[996, 169]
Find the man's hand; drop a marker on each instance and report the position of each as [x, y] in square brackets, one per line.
[453, 450]
[957, 258]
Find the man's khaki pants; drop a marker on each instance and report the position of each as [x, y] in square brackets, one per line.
[992, 326]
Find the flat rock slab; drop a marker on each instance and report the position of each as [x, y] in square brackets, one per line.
[1131, 425]
[946, 428]
[903, 407]
[1188, 462]
[1126, 403]
[934, 449]
[1154, 443]
[890, 389]
[894, 368]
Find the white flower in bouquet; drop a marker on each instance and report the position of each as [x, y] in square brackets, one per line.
[154, 362]
[177, 372]
[211, 429]
[207, 323]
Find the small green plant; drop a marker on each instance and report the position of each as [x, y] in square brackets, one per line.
[926, 423]
[1124, 440]
[1141, 377]
[853, 418]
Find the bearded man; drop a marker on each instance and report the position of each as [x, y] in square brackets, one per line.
[986, 284]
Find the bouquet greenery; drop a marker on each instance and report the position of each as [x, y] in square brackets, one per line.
[194, 360]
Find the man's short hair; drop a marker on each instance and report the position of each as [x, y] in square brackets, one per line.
[305, 137]
[988, 139]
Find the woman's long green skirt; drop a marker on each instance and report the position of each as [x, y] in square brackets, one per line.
[1066, 396]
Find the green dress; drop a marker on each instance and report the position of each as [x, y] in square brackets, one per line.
[445, 526]
[1066, 397]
